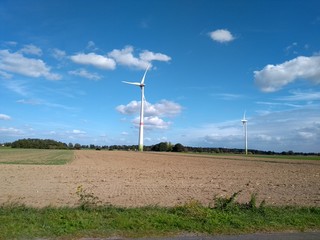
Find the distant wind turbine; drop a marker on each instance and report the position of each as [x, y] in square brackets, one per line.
[244, 122]
[141, 85]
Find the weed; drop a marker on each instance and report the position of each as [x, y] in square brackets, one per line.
[226, 203]
[230, 203]
[87, 199]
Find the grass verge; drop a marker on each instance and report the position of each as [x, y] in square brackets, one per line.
[35, 156]
[227, 217]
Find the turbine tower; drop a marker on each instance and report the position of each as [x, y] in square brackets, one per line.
[141, 85]
[244, 122]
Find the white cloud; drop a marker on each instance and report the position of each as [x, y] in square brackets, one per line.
[31, 49]
[4, 117]
[76, 131]
[31, 67]
[58, 54]
[221, 35]
[95, 60]
[152, 122]
[125, 57]
[131, 108]
[163, 108]
[273, 77]
[85, 74]
[150, 56]
[153, 113]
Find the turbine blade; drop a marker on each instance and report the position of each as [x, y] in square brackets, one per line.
[132, 83]
[244, 115]
[144, 75]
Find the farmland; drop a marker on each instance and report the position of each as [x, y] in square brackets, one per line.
[134, 179]
[35, 156]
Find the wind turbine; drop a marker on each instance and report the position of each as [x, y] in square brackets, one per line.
[244, 122]
[141, 85]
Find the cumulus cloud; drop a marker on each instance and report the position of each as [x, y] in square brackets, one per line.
[153, 113]
[152, 122]
[4, 117]
[131, 108]
[31, 49]
[273, 77]
[95, 60]
[125, 57]
[150, 56]
[85, 74]
[163, 108]
[31, 67]
[221, 35]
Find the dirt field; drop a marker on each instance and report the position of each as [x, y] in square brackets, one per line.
[165, 179]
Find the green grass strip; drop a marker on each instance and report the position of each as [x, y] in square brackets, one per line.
[21, 222]
[35, 156]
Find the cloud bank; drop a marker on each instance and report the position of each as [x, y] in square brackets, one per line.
[273, 77]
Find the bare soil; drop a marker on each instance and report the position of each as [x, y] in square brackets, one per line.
[133, 179]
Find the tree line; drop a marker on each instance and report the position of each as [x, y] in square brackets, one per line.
[160, 147]
[38, 143]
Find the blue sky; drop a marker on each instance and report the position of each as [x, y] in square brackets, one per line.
[62, 64]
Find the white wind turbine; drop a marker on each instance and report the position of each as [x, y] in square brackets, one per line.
[141, 85]
[244, 122]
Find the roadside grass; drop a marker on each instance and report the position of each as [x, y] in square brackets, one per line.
[226, 216]
[35, 156]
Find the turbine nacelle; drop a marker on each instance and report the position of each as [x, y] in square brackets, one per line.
[244, 121]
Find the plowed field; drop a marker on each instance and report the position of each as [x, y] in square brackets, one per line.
[165, 179]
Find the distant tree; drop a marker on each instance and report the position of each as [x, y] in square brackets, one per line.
[178, 148]
[70, 145]
[162, 147]
[77, 146]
